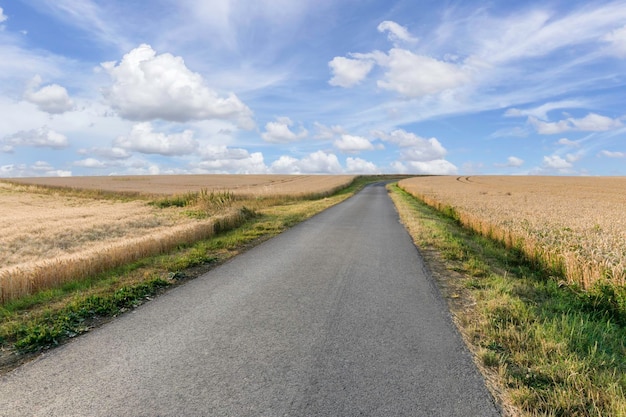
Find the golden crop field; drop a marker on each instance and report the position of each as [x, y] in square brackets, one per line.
[249, 185]
[574, 224]
[52, 236]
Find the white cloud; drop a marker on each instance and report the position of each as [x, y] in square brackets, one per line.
[326, 132]
[556, 162]
[396, 32]
[408, 74]
[218, 152]
[416, 147]
[107, 153]
[360, 166]
[418, 155]
[567, 142]
[541, 112]
[612, 154]
[549, 128]
[512, 162]
[435, 167]
[90, 163]
[51, 98]
[318, 162]
[571, 157]
[43, 137]
[517, 132]
[3, 17]
[148, 86]
[90, 17]
[438, 167]
[595, 123]
[280, 132]
[415, 76]
[222, 160]
[539, 32]
[353, 144]
[590, 123]
[349, 72]
[143, 139]
[617, 38]
[38, 169]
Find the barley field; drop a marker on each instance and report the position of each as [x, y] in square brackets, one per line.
[574, 225]
[54, 233]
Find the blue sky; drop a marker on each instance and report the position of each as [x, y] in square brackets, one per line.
[101, 87]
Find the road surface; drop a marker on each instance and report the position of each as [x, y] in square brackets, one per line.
[335, 317]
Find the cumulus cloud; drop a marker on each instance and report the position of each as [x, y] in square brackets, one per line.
[414, 75]
[556, 162]
[360, 166]
[90, 163]
[406, 73]
[396, 32]
[418, 155]
[349, 72]
[148, 86]
[144, 139]
[3, 17]
[219, 159]
[43, 137]
[416, 147]
[595, 123]
[436, 167]
[280, 131]
[51, 98]
[318, 162]
[591, 123]
[353, 144]
[612, 154]
[512, 162]
[409, 74]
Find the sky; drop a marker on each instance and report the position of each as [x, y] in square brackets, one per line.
[136, 87]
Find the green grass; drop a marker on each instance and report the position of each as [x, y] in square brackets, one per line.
[48, 318]
[554, 349]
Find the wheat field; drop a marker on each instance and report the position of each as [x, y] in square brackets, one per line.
[57, 235]
[242, 185]
[575, 225]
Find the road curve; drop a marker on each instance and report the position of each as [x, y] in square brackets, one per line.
[335, 317]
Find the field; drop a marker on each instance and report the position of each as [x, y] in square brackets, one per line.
[243, 185]
[572, 225]
[57, 230]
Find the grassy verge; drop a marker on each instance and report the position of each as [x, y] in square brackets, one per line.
[43, 320]
[546, 348]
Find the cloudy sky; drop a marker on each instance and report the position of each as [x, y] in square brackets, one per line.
[101, 87]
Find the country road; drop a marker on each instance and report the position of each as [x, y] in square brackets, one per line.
[335, 317]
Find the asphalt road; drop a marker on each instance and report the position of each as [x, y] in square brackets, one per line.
[335, 317]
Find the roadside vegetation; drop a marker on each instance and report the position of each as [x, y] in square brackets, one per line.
[547, 346]
[66, 308]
